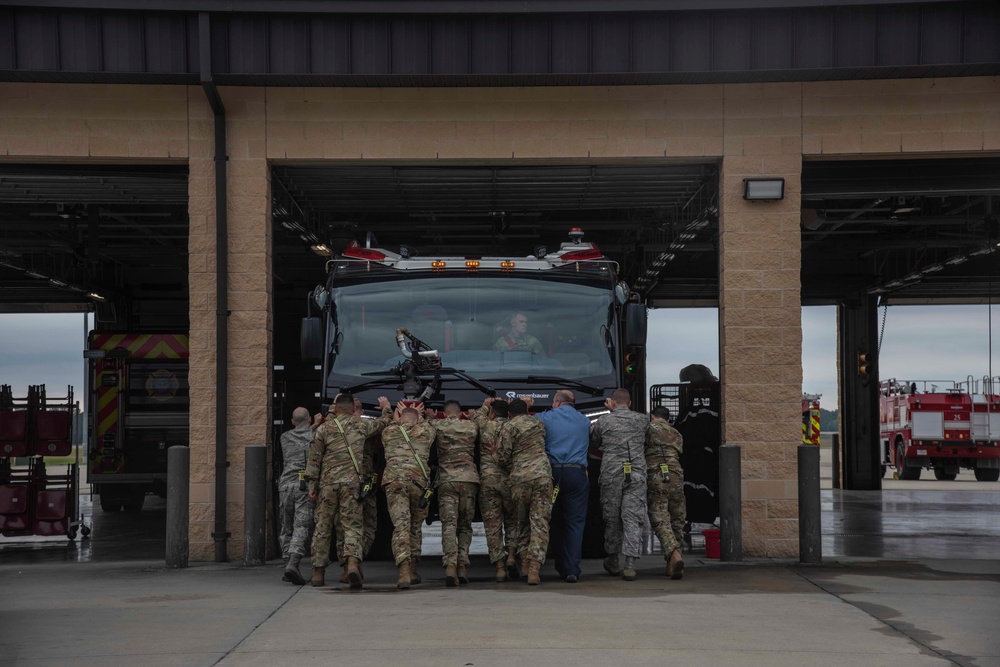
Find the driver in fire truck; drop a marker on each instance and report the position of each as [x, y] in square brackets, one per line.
[518, 338]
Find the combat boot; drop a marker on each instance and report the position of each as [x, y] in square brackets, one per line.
[501, 571]
[319, 576]
[354, 572]
[450, 576]
[534, 572]
[415, 577]
[522, 563]
[403, 582]
[292, 573]
[463, 574]
[344, 579]
[513, 572]
[675, 566]
[628, 574]
[611, 566]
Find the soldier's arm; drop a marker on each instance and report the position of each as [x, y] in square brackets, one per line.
[480, 416]
[314, 462]
[537, 348]
[595, 435]
[375, 426]
[505, 446]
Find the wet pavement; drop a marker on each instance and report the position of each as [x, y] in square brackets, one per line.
[114, 536]
[902, 524]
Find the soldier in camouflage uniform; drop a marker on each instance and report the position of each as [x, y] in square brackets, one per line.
[621, 436]
[295, 508]
[457, 483]
[369, 505]
[522, 451]
[334, 481]
[407, 447]
[495, 502]
[667, 509]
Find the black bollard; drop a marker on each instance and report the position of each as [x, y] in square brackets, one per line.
[178, 472]
[730, 504]
[255, 506]
[810, 538]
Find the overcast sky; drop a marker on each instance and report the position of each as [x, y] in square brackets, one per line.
[937, 343]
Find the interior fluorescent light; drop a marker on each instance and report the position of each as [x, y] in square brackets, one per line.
[321, 249]
[96, 297]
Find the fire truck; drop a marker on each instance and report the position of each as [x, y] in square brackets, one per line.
[138, 408]
[940, 425]
[810, 418]
[435, 328]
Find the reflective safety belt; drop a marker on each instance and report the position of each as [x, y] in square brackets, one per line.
[427, 477]
[350, 451]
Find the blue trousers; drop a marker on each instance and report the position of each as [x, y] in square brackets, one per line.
[568, 518]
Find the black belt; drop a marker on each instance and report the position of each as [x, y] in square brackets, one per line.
[569, 465]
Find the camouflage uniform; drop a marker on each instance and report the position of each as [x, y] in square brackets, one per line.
[495, 501]
[667, 509]
[528, 343]
[330, 471]
[621, 436]
[369, 506]
[296, 510]
[403, 480]
[456, 486]
[522, 451]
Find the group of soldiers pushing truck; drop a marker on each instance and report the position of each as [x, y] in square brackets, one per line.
[329, 484]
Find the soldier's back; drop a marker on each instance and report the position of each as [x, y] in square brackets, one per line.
[528, 458]
[402, 451]
[456, 447]
[623, 434]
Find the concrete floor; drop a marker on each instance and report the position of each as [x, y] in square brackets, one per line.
[926, 613]
[898, 588]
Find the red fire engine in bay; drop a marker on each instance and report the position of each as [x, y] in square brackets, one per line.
[810, 419]
[924, 426]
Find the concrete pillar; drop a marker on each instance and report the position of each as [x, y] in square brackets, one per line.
[249, 359]
[250, 326]
[201, 313]
[760, 310]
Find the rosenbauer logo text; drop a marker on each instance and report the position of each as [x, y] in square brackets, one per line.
[514, 394]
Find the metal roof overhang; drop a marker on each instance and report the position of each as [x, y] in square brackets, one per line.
[467, 43]
[654, 217]
[911, 231]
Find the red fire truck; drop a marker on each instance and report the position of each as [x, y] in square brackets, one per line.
[138, 408]
[942, 426]
[810, 418]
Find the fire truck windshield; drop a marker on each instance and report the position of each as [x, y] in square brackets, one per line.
[488, 325]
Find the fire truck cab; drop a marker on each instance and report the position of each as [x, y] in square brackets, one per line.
[925, 426]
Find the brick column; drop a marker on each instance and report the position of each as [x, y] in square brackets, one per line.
[760, 310]
[249, 359]
[201, 312]
[250, 326]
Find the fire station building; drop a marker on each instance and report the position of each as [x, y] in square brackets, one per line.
[183, 166]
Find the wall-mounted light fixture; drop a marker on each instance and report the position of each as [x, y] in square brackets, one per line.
[763, 189]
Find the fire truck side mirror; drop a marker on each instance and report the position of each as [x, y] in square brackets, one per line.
[862, 364]
[635, 324]
[311, 339]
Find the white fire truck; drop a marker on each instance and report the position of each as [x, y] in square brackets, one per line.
[943, 426]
